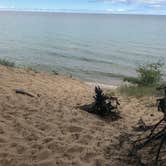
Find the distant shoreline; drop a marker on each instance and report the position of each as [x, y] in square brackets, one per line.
[41, 11]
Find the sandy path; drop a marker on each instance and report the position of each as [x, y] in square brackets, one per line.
[51, 130]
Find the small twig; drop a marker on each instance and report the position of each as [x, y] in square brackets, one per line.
[23, 92]
[155, 126]
[155, 137]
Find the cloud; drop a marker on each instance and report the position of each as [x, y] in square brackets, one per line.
[111, 0]
[116, 10]
[1, 6]
[135, 1]
[134, 6]
[6, 7]
[121, 10]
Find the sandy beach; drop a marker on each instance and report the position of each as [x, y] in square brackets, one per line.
[50, 129]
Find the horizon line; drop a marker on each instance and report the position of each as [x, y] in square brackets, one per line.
[75, 12]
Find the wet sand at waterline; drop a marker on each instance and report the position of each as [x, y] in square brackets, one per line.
[50, 129]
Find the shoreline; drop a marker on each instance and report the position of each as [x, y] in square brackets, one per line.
[103, 86]
[89, 83]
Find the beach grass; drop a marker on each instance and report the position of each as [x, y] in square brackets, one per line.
[137, 91]
[7, 63]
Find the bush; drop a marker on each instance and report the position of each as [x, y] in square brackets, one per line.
[7, 63]
[148, 75]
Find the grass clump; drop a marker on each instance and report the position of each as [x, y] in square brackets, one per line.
[137, 91]
[7, 63]
[149, 77]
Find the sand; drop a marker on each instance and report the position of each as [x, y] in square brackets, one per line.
[103, 86]
[51, 130]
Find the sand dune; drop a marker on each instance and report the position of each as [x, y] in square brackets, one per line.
[50, 129]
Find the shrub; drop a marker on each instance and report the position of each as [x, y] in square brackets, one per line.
[148, 75]
[7, 63]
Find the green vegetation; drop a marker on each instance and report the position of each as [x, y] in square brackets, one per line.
[149, 77]
[7, 63]
[137, 91]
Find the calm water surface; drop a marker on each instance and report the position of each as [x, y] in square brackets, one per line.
[101, 48]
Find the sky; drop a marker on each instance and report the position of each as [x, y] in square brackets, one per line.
[88, 6]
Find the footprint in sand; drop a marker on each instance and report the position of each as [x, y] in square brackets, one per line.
[85, 139]
[46, 163]
[1, 130]
[19, 148]
[75, 129]
[56, 146]
[36, 147]
[47, 140]
[24, 164]
[42, 126]
[43, 155]
[87, 157]
[75, 149]
[3, 140]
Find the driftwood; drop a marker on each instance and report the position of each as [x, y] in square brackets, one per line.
[23, 92]
[155, 141]
[104, 105]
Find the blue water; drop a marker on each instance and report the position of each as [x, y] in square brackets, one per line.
[91, 47]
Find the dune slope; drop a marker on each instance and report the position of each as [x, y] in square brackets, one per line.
[50, 129]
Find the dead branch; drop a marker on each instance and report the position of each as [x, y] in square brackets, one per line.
[156, 140]
[23, 92]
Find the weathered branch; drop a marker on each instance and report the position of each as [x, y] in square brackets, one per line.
[157, 136]
[23, 92]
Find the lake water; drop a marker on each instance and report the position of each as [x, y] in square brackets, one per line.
[92, 47]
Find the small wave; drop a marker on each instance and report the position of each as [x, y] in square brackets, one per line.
[95, 73]
[85, 59]
[114, 75]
